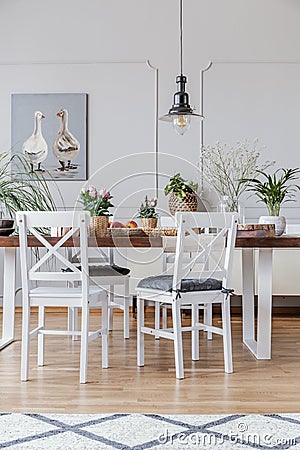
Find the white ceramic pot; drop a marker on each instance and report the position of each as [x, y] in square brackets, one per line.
[278, 221]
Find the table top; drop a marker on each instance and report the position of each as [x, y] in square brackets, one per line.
[108, 241]
[285, 241]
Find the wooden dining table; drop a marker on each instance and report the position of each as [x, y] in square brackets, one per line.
[259, 342]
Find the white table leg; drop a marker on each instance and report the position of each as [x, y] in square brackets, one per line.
[261, 348]
[248, 298]
[8, 297]
[264, 317]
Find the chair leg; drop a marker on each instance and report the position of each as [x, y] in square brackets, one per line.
[157, 317]
[177, 340]
[111, 309]
[73, 316]
[73, 321]
[126, 309]
[227, 344]
[104, 333]
[195, 333]
[140, 334]
[70, 318]
[208, 318]
[41, 337]
[165, 318]
[84, 343]
[25, 342]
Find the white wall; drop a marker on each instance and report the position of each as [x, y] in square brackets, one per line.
[67, 31]
[137, 30]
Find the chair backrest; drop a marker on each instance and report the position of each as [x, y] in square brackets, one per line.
[52, 256]
[170, 248]
[211, 236]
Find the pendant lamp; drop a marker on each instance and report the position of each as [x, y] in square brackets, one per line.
[181, 112]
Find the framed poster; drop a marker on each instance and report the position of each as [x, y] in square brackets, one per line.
[50, 130]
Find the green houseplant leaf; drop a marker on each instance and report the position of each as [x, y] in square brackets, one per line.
[21, 189]
[274, 189]
[180, 187]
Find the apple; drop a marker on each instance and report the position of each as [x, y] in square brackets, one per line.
[131, 224]
[116, 225]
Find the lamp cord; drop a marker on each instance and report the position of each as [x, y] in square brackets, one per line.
[181, 36]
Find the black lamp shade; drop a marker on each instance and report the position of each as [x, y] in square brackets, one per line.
[181, 106]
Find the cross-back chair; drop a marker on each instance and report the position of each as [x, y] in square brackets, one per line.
[107, 275]
[53, 289]
[167, 263]
[192, 285]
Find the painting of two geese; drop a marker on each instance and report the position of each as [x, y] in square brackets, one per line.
[50, 131]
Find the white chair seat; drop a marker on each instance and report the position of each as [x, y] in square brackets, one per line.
[59, 296]
[64, 292]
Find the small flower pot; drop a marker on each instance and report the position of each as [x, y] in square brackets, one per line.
[99, 225]
[150, 222]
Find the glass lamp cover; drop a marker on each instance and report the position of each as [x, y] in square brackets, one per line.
[181, 123]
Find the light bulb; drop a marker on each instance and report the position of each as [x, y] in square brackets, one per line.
[181, 123]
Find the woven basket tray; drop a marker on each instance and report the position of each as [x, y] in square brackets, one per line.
[256, 230]
[163, 231]
[126, 232]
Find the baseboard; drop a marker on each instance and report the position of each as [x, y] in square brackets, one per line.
[236, 308]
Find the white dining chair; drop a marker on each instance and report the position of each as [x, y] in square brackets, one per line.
[53, 290]
[167, 263]
[107, 275]
[209, 285]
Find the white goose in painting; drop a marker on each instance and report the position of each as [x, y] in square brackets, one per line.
[65, 146]
[35, 148]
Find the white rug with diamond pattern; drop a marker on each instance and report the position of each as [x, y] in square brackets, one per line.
[149, 431]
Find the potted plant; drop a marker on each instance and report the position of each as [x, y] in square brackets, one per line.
[274, 190]
[21, 189]
[98, 203]
[182, 194]
[147, 213]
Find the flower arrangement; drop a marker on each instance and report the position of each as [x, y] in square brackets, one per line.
[226, 169]
[147, 209]
[98, 203]
[274, 189]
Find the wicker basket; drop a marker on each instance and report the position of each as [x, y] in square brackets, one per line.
[98, 227]
[164, 231]
[150, 222]
[188, 204]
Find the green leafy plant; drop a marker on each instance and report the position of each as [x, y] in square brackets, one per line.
[147, 209]
[275, 189]
[98, 203]
[21, 189]
[180, 187]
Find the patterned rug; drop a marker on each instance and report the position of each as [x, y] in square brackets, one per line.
[149, 431]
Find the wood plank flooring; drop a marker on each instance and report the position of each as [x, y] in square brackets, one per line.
[254, 387]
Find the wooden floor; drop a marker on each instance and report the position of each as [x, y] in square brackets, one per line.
[254, 387]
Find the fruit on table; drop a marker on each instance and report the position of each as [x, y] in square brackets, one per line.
[131, 224]
[116, 225]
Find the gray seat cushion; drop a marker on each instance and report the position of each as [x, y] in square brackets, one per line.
[164, 283]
